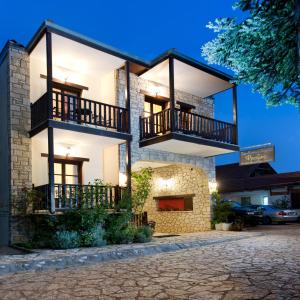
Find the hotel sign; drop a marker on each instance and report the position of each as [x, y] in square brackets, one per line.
[257, 155]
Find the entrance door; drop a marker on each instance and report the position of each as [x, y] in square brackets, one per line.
[66, 102]
[152, 106]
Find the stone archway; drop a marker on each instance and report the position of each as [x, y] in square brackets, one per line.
[183, 184]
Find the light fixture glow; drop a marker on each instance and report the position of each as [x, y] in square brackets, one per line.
[212, 186]
[166, 183]
[122, 179]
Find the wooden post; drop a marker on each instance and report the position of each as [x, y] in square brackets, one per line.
[235, 114]
[172, 93]
[128, 143]
[51, 169]
[50, 129]
[49, 74]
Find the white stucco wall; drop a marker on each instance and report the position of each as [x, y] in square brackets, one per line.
[103, 162]
[257, 197]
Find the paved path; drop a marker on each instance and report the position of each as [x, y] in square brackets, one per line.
[260, 267]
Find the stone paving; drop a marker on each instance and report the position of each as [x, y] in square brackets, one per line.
[258, 267]
[45, 259]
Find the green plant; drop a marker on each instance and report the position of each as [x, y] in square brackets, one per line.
[143, 234]
[261, 49]
[222, 211]
[119, 229]
[141, 188]
[93, 237]
[66, 239]
[26, 202]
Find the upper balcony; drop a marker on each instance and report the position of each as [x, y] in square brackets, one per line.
[73, 84]
[72, 109]
[180, 108]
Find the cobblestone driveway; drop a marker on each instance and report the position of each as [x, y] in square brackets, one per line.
[264, 267]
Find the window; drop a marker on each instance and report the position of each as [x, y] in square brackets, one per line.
[176, 203]
[266, 200]
[67, 172]
[245, 201]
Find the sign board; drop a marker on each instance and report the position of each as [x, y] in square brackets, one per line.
[257, 155]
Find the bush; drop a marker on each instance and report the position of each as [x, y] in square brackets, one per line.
[119, 229]
[222, 211]
[93, 237]
[66, 239]
[143, 234]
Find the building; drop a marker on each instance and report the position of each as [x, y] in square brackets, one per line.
[258, 184]
[76, 110]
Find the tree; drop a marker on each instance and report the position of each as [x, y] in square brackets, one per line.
[262, 49]
[141, 188]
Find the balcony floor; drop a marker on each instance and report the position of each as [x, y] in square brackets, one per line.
[186, 144]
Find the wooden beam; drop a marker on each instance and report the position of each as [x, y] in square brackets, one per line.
[49, 73]
[235, 113]
[63, 157]
[51, 169]
[70, 84]
[128, 143]
[172, 92]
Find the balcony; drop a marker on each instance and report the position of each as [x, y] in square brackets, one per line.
[191, 134]
[71, 196]
[80, 111]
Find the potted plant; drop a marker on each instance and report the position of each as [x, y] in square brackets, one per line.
[222, 213]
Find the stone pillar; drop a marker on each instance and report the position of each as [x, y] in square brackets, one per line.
[19, 124]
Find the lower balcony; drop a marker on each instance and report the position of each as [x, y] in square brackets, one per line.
[192, 134]
[71, 196]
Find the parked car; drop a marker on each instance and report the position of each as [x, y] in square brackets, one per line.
[271, 214]
[248, 215]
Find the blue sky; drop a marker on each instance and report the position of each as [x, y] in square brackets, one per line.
[147, 28]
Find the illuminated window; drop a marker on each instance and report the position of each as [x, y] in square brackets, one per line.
[266, 200]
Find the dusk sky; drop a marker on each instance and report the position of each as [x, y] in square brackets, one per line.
[146, 29]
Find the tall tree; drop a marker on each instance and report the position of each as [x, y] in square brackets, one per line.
[263, 49]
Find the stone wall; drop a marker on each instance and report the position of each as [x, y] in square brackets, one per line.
[185, 180]
[19, 126]
[202, 106]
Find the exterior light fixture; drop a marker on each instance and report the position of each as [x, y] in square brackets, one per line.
[122, 179]
[166, 184]
[212, 186]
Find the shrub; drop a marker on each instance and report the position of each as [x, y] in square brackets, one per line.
[119, 229]
[141, 188]
[222, 210]
[143, 234]
[66, 239]
[93, 237]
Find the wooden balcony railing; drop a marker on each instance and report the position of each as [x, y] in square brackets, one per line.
[70, 196]
[82, 111]
[187, 123]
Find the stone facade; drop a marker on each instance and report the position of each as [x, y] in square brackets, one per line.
[191, 173]
[186, 180]
[19, 171]
[202, 106]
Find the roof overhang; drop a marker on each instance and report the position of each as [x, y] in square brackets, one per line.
[139, 65]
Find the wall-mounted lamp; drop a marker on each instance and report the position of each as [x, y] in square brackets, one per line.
[64, 150]
[166, 184]
[122, 179]
[212, 186]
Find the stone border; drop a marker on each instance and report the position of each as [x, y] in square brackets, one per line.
[59, 259]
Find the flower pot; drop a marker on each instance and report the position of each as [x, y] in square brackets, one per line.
[218, 226]
[226, 226]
